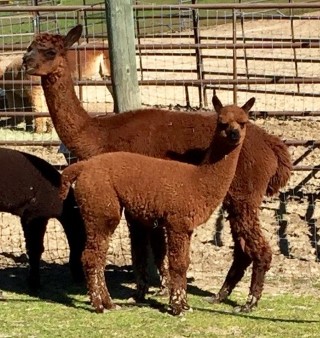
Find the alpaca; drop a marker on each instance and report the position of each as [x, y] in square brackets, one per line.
[94, 65]
[170, 194]
[263, 168]
[30, 190]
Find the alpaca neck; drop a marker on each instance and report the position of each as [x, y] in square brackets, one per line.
[218, 169]
[68, 116]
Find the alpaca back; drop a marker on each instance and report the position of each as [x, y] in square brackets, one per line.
[284, 165]
[149, 188]
[28, 184]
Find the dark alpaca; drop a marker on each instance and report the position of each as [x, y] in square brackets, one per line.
[177, 196]
[263, 168]
[30, 190]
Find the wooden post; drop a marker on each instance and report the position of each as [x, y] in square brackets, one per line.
[120, 26]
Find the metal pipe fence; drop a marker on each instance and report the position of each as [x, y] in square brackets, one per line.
[238, 49]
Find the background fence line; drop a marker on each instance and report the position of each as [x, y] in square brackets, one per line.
[186, 51]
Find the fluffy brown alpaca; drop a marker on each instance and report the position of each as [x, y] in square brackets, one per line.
[174, 195]
[263, 167]
[94, 64]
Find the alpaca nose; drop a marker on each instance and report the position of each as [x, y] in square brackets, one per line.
[234, 135]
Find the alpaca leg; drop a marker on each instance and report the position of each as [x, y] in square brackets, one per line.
[261, 254]
[240, 263]
[178, 255]
[34, 231]
[94, 261]
[251, 247]
[76, 237]
[159, 248]
[139, 237]
[100, 224]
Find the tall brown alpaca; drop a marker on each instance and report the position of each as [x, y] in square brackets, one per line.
[176, 196]
[263, 167]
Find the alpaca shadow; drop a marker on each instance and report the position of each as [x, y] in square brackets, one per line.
[299, 195]
[163, 308]
[256, 317]
[160, 303]
[57, 285]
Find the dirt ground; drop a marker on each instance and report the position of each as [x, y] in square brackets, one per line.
[295, 238]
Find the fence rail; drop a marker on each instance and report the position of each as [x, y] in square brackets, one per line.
[201, 48]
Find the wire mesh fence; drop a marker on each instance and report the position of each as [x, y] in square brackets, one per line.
[183, 54]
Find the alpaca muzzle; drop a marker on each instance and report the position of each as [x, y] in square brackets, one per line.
[234, 135]
[27, 64]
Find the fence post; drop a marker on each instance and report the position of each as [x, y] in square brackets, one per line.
[120, 27]
[199, 60]
[234, 39]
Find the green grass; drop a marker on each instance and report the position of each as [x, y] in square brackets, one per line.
[62, 310]
[279, 316]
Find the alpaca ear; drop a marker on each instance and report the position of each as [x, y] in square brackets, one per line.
[73, 36]
[216, 103]
[248, 105]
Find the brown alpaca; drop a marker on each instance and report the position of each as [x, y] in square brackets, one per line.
[94, 64]
[263, 168]
[173, 195]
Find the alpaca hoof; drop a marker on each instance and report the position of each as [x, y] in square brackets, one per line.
[187, 308]
[175, 310]
[179, 310]
[111, 308]
[248, 306]
[214, 299]
[99, 309]
[242, 309]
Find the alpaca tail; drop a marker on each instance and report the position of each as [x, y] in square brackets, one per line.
[68, 176]
[283, 172]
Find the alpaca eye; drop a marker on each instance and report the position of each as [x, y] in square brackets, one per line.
[223, 125]
[50, 53]
[242, 124]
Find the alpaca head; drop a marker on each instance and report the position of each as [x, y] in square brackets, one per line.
[232, 120]
[47, 51]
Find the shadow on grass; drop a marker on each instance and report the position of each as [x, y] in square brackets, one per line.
[255, 317]
[58, 286]
[155, 304]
